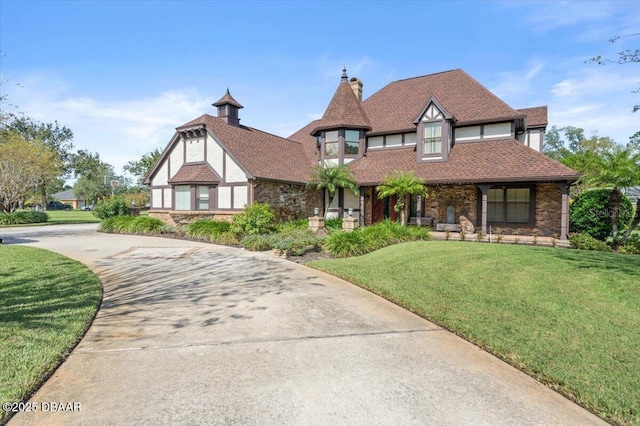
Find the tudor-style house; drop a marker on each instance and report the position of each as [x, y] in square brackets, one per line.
[479, 157]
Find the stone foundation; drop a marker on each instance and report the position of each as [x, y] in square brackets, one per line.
[289, 201]
[181, 218]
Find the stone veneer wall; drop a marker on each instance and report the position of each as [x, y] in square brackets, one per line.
[175, 218]
[368, 205]
[463, 197]
[289, 201]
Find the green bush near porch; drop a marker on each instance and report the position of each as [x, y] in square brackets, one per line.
[567, 317]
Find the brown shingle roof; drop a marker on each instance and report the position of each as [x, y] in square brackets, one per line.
[394, 107]
[344, 110]
[476, 162]
[261, 154]
[195, 173]
[308, 142]
[536, 116]
[228, 99]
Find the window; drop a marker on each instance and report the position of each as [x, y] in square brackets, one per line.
[509, 205]
[202, 198]
[351, 142]
[183, 197]
[433, 138]
[331, 144]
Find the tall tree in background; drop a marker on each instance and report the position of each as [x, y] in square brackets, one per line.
[141, 168]
[93, 176]
[22, 165]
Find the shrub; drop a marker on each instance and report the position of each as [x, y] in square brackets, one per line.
[584, 241]
[224, 238]
[590, 213]
[334, 224]
[207, 228]
[255, 219]
[294, 224]
[110, 207]
[632, 245]
[346, 244]
[23, 217]
[132, 225]
[257, 242]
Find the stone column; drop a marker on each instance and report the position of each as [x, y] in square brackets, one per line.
[361, 212]
[316, 224]
[564, 216]
[485, 193]
[349, 224]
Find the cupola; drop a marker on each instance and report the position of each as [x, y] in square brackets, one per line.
[228, 109]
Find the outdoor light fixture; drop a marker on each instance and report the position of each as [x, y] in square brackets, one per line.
[350, 212]
[316, 211]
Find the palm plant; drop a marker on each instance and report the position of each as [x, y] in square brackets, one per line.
[332, 178]
[402, 185]
[617, 169]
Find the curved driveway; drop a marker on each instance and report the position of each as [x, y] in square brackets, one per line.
[193, 333]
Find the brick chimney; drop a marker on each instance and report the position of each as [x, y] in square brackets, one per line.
[356, 86]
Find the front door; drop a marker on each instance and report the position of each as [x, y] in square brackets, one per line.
[383, 208]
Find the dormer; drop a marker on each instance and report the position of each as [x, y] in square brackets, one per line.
[228, 109]
[340, 134]
[433, 127]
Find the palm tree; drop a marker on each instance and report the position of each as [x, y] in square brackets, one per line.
[332, 178]
[402, 185]
[617, 169]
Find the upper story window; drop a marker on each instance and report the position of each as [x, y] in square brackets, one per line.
[432, 137]
[331, 146]
[351, 142]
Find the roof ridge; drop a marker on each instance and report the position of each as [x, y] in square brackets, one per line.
[427, 75]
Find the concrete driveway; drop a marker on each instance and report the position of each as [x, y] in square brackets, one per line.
[191, 333]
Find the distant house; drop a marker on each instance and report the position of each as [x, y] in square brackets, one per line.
[67, 197]
[479, 158]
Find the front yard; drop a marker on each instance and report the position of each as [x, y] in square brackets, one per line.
[567, 317]
[47, 301]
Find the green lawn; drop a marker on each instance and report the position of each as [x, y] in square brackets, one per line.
[569, 318]
[72, 216]
[61, 216]
[47, 301]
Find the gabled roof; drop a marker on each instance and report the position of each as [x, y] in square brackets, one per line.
[261, 154]
[471, 162]
[228, 99]
[344, 110]
[195, 173]
[394, 107]
[536, 116]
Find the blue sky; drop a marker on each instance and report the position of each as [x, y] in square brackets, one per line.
[123, 74]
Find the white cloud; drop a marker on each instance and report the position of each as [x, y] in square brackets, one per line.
[515, 83]
[120, 130]
[598, 99]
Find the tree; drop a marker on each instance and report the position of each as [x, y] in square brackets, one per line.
[143, 166]
[93, 176]
[617, 169]
[56, 138]
[624, 57]
[332, 178]
[402, 185]
[22, 164]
